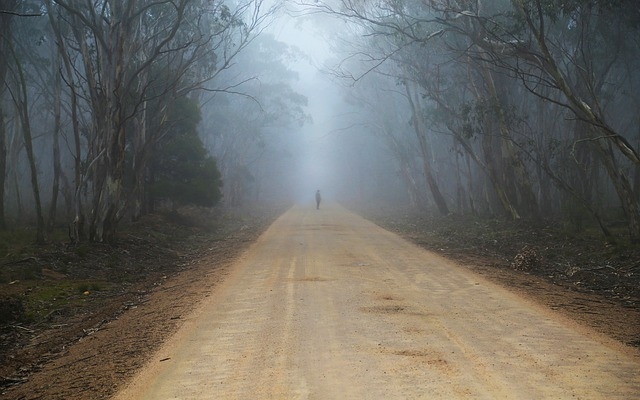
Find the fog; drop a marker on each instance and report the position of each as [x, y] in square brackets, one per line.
[318, 164]
[334, 151]
[439, 108]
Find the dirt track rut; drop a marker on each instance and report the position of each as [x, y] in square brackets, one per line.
[326, 305]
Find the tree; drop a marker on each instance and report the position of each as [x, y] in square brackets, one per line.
[5, 42]
[420, 128]
[541, 51]
[491, 59]
[244, 125]
[67, 74]
[109, 91]
[183, 172]
[19, 93]
[21, 100]
[133, 52]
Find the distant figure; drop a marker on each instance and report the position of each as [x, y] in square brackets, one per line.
[318, 198]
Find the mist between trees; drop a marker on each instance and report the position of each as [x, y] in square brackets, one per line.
[522, 109]
[525, 109]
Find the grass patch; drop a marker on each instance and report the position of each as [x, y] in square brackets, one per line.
[51, 297]
[15, 244]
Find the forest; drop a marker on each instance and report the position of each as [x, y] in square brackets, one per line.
[513, 109]
[102, 108]
[145, 145]
[523, 110]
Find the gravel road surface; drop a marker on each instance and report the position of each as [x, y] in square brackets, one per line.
[326, 305]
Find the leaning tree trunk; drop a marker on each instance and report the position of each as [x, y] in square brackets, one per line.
[23, 109]
[490, 149]
[420, 130]
[403, 158]
[625, 192]
[528, 204]
[494, 176]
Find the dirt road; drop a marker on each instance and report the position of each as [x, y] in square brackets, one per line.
[326, 305]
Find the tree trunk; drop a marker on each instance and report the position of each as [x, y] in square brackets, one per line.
[491, 150]
[636, 183]
[512, 165]
[471, 190]
[403, 158]
[108, 184]
[3, 168]
[636, 173]
[5, 37]
[108, 103]
[493, 171]
[420, 130]
[624, 190]
[77, 232]
[412, 186]
[23, 107]
[57, 93]
[139, 167]
[461, 201]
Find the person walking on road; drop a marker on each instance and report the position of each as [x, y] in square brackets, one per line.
[318, 198]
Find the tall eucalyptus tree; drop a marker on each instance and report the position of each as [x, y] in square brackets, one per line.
[6, 19]
[133, 52]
